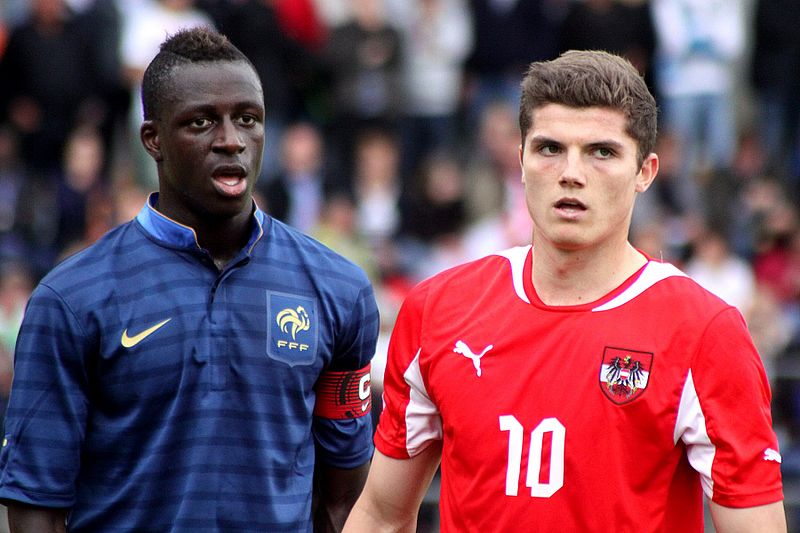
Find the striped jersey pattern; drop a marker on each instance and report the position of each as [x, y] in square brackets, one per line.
[155, 393]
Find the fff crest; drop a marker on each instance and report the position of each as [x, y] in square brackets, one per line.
[624, 374]
[292, 328]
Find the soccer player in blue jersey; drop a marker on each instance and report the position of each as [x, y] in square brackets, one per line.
[202, 367]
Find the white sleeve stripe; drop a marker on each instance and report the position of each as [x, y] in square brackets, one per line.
[690, 427]
[423, 421]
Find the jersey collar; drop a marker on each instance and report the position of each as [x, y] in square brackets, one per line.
[180, 236]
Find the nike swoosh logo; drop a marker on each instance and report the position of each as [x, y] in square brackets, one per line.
[130, 342]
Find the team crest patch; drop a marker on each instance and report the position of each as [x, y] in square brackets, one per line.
[292, 328]
[624, 374]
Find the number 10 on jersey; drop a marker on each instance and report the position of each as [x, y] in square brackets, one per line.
[516, 435]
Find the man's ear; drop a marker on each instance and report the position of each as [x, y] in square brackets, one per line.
[647, 173]
[148, 133]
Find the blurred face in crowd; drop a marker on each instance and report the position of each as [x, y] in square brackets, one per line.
[207, 141]
[579, 167]
[49, 12]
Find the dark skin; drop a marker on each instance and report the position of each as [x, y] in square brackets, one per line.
[335, 492]
[207, 143]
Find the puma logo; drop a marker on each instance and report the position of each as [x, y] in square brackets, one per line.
[466, 351]
[772, 455]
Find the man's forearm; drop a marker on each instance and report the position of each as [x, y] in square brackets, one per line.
[24, 518]
[337, 491]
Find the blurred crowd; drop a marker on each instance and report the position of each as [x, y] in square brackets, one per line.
[392, 136]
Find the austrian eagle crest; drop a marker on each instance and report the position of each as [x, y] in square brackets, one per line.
[624, 374]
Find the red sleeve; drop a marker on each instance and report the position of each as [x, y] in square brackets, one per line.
[734, 395]
[409, 420]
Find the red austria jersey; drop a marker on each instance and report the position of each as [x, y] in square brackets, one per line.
[611, 416]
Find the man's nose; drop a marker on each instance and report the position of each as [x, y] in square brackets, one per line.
[572, 173]
[229, 138]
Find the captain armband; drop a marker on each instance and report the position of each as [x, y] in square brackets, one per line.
[343, 395]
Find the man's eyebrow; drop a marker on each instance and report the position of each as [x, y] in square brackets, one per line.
[608, 143]
[542, 139]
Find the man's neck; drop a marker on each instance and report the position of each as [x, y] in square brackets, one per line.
[223, 241]
[577, 277]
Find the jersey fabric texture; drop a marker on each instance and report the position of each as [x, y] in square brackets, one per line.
[609, 416]
[155, 393]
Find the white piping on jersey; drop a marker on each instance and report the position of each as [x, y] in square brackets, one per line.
[423, 421]
[517, 256]
[690, 427]
[652, 274]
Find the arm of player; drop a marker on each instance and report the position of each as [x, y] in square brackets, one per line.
[769, 518]
[25, 518]
[337, 490]
[393, 494]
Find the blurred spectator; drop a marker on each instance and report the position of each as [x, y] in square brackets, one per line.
[762, 217]
[434, 206]
[437, 38]
[377, 186]
[300, 21]
[14, 12]
[81, 185]
[286, 68]
[55, 210]
[12, 175]
[53, 79]
[16, 284]
[296, 195]
[333, 13]
[776, 80]
[434, 217]
[777, 264]
[699, 46]
[722, 272]
[509, 35]
[3, 33]
[338, 230]
[127, 199]
[497, 212]
[668, 196]
[146, 22]
[363, 57]
[769, 326]
[617, 26]
[494, 179]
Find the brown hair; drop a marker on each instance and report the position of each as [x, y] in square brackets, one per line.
[592, 79]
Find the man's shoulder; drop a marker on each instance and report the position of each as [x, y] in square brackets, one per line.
[479, 275]
[298, 250]
[121, 243]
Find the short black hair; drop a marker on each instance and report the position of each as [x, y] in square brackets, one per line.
[192, 45]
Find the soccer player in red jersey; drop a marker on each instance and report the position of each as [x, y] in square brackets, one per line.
[575, 384]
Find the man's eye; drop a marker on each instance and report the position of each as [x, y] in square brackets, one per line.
[200, 122]
[248, 120]
[548, 149]
[604, 153]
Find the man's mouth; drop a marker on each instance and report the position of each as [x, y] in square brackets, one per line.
[570, 204]
[230, 180]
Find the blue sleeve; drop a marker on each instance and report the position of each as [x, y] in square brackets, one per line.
[348, 443]
[47, 411]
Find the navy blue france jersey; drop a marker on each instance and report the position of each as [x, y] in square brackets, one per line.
[155, 393]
